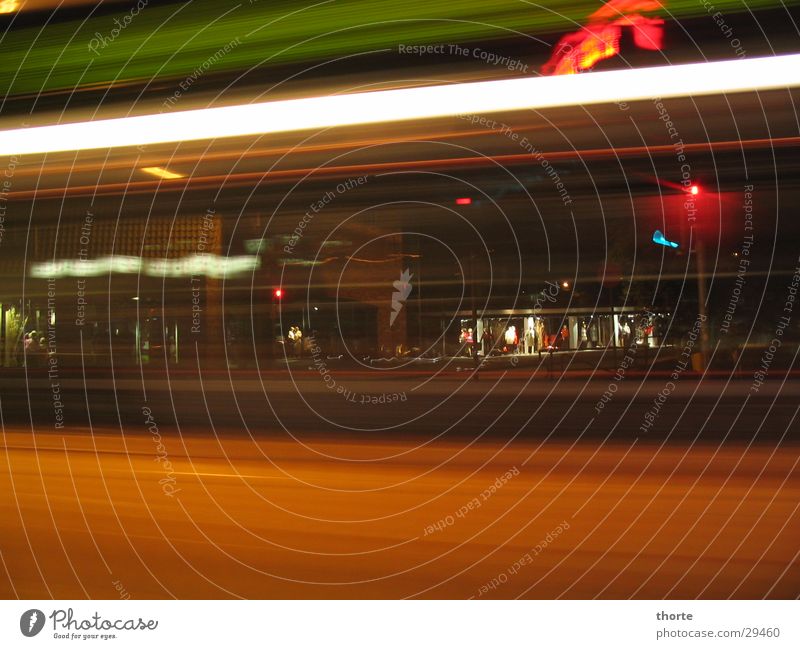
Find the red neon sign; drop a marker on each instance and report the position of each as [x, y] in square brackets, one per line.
[581, 50]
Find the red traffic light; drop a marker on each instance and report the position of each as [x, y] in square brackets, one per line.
[277, 293]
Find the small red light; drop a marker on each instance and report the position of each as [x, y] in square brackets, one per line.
[463, 201]
[695, 190]
[278, 293]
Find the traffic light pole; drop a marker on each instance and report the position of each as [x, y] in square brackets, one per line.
[475, 359]
[613, 324]
[702, 293]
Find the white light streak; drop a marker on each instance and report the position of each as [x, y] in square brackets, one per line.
[696, 79]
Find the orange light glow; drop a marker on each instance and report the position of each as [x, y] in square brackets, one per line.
[8, 6]
[160, 172]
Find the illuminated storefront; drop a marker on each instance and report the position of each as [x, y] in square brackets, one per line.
[521, 331]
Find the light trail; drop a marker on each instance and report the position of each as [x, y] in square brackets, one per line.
[695, 79]
[160, 172]
[345, 171]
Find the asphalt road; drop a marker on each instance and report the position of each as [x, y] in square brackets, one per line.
[571, 504]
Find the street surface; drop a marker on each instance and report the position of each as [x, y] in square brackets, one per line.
[558, 501]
